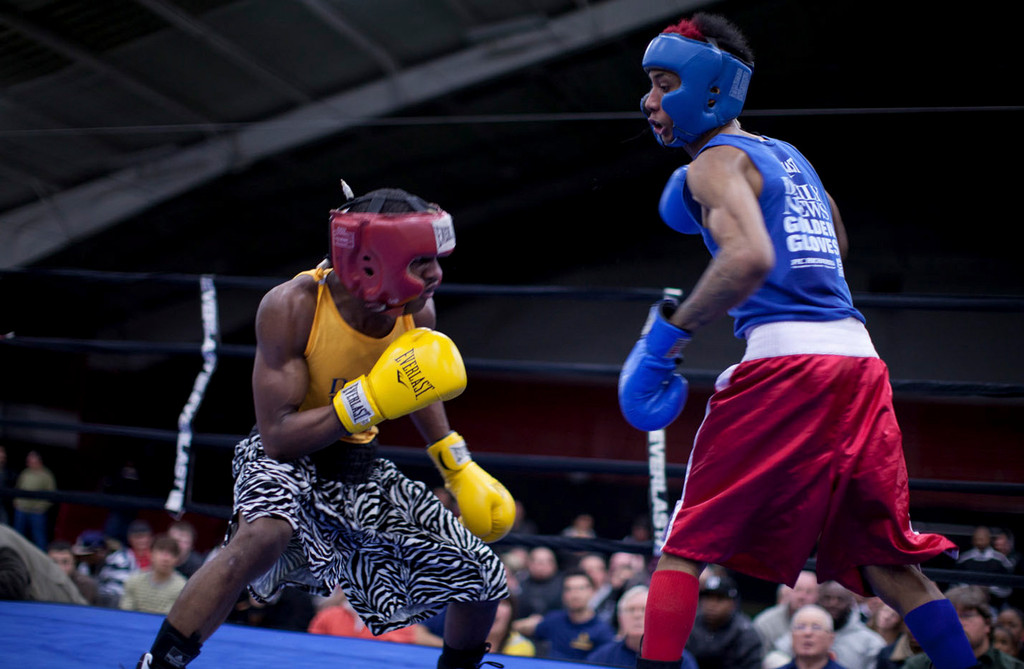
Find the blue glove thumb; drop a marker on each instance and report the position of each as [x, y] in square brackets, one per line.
[651, 393]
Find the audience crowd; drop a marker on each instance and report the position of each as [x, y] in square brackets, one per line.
[578, 606]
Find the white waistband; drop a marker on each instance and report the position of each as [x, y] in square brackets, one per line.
[844, 337]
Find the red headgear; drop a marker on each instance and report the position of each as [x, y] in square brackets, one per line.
[371, 252]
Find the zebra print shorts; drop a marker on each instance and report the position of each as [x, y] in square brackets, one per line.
[398, 554]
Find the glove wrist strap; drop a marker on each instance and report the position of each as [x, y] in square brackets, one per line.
[665, 340]
[449, 454]
[355, 408]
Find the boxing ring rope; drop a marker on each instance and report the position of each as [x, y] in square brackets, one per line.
[867, 300]
[657, 470]
[497, 463]
[554, 542]
[696, 376]
[508, 462]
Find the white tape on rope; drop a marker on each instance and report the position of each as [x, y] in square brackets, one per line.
[211, 338]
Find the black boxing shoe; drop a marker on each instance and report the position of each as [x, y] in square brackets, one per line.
[643, 663]
[171, 650]
[471, 658]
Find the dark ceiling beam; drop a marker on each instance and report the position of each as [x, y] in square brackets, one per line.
[35, 231]
[86, 59]
[228, 49]
[333, 19]
[463, 12]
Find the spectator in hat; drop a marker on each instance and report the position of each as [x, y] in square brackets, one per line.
[62, 555]
[91, 549]
[723, 636]
[124, 562]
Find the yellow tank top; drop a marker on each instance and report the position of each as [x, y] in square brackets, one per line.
[336, 353]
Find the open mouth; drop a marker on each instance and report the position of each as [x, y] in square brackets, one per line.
[663, 131]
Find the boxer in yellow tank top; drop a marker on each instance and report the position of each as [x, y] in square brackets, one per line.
[329, 334]
[340, 349]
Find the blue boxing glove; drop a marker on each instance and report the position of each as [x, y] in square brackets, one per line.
[651, 392]
[677, 207]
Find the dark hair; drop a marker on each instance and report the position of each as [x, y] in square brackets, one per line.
[387, 201]
[1013, 610]
[716, 28]
[381, 201]
[139, 527]
[59, 546]
[971, 598]
[1003, 532]
[576, 571]
[166, 544]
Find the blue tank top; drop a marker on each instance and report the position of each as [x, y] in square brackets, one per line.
[807, 282]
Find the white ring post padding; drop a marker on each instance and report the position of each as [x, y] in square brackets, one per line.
[656, 467]
[211, 339]
[659, 487]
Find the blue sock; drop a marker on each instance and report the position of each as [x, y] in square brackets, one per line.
[937, 628]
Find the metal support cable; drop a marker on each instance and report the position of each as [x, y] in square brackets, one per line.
[495, 119]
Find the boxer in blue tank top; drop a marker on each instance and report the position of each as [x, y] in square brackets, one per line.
[799, 451]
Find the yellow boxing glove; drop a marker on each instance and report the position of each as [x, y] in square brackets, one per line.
[420, 367]
[486, 507]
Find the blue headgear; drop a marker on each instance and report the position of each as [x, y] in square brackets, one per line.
[712, 88]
